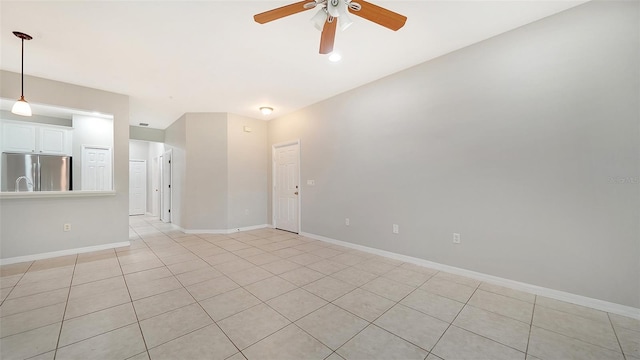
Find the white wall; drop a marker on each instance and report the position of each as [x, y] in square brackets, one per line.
[96, 221]
[526, 144]
[138, 150]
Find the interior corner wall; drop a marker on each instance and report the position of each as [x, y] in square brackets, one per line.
[219, 172]
[527, 144]
[247, 171]
[176, 142]
[96, 221]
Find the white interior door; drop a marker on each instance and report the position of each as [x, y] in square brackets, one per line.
[286, 160]
[96, 168]
[165, 187]
[137, 187]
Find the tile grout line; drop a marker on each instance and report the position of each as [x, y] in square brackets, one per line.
[144, 341]
[66, 304]
[624, 356]
[17, 282]
[454, 319]
[526, 352]
[576, 339]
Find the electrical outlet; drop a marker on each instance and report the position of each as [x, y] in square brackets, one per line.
[456, 238]
[66, 227]
[396, 229]
[347, 221]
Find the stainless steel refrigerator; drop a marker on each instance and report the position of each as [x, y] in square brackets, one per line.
[33, 172]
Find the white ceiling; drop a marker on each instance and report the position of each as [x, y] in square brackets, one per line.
[173, 57]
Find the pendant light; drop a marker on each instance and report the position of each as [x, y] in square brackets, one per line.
[21, 107]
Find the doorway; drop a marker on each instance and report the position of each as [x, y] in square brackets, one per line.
[165, 186]
[96, 168]
[137, 187]
[286, 186]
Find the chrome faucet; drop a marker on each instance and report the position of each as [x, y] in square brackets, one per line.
[27, 181]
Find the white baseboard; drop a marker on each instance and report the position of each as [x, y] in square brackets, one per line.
[52, 254]
[224, 231]
[516, 285]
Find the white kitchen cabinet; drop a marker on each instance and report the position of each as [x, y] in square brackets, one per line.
[35, 138]
[53, 140]
[17, 137]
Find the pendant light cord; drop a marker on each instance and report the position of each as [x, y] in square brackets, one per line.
[22, 71]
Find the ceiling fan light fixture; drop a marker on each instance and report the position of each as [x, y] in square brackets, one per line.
[344, 21]
[265, 110]
[319, 19]
[335, 57]
[22, 107]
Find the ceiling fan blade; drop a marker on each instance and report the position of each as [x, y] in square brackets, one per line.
[379, 15]
[328, 36]
[281, 12]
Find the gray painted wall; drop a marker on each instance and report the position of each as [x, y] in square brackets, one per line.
[526, 144]
[247, 172]
[205, 204]
[95, 220]
[146, 134]
[41, 119]
[219, 171]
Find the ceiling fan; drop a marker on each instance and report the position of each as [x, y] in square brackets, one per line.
[326, 19]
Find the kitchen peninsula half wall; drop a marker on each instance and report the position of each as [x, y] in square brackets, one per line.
[98, 222]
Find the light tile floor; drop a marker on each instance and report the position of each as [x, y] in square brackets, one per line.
[269, 294]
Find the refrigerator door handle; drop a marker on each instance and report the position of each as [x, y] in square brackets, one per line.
[36, 176]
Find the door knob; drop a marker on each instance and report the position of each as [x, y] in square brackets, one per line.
[296, 193]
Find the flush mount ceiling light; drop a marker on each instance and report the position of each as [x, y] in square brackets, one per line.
[265, 110]
[21, 107]
[326, 19]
